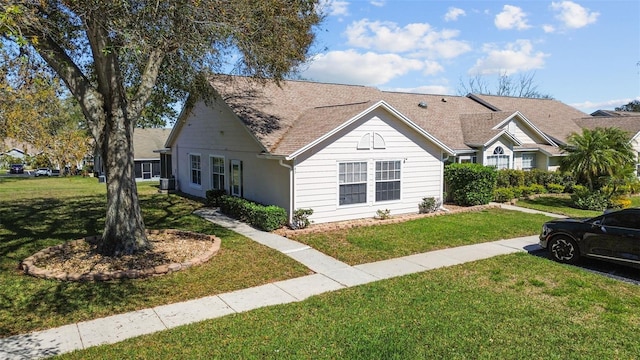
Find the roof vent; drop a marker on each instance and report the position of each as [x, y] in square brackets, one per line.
[444, 100]
[422, 104]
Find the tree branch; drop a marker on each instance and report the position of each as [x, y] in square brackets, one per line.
[147, 82]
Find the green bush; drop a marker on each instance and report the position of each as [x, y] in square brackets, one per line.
[428, 205]
[553, 188]
[619, 202]
[510, 178]
[263, 217]
[470, 184]
[537, 189]
[525, 191]
[213, 197]
[300, 218]
[503, 194]
[582, 198]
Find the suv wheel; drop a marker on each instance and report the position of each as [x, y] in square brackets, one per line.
[564, 249]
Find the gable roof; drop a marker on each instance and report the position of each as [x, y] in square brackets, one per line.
[146, 141]
[611, 113]
[630, 124]
[552, 117]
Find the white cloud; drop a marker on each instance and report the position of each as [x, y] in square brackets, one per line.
[453, 14]
[590, 106]
[548, 28]
[515, 57]
[379, 3]
[511, 17]
[352, 67]
[334, 7]
[425, 89]
[416, 37]
[572, 15]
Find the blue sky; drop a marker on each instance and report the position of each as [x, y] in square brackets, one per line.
[583, 53]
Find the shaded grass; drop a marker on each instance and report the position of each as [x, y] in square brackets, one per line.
[373, 243]
[509, 307]
[50, 211]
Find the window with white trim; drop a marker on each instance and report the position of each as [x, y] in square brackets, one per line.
[196, 170]
[352, 180]
[528, 161]
[499, 159]
[387, 180]
[217, 173]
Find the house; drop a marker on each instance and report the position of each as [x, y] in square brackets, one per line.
[346, 151]
[146, 146]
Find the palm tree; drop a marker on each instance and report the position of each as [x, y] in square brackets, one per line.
[594, 155]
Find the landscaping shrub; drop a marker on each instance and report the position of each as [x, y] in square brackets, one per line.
[553, 188]
[383, 214]
[213, 197]
[582, 198]
[619, 202]
[537, 189]
[509, 178]
[503, 194]
[428, 205]
[470, 184]
[525, 191]
[263, 217]
[300, 218]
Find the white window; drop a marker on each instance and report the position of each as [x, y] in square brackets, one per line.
[498, 159]
[352, 180]
[236, 178]
[387, 180]
[217, 173]
[196, 170]
[528, 161]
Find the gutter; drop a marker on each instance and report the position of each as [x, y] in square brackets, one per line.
[291, 188]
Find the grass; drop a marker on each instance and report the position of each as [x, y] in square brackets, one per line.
[39, 212]
[562, 205]
[508, 307]
[374, 243]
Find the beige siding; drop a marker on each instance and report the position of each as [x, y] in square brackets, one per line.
[523, 133]
[316, 174]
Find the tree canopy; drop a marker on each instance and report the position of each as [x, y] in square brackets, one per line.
[631, 106]
[598, 156]
[129, 61]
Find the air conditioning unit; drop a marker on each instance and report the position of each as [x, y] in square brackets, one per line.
[167, 184]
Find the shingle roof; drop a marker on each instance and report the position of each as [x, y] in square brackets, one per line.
[630, 124]
[287, 116]
[552, 117]
[145, 141]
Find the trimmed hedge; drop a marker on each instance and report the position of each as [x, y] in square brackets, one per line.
[470, 184]
[263, 217]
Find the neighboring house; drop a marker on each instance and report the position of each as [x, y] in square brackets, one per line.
[347, 151]
[146, 144]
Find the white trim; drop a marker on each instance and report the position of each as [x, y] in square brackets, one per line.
[191, 183]
[380, 104]
[224, 169]
[528, 123]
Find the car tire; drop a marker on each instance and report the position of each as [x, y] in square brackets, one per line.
[563, 249]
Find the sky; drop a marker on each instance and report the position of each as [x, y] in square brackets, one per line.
[583, 53]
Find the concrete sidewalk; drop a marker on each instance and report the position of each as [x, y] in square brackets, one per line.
[330, 275]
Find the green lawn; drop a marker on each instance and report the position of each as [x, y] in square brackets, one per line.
[509, 307]
[562, 205]
[39, 212]
[373, 243]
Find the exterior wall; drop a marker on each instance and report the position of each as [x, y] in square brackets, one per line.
[215, 131]
[635, 144]
[540, 160]
[507, 147]
[316, 171]
[522, 132]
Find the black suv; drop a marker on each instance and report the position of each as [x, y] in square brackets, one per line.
[17, 169]
[612, 236]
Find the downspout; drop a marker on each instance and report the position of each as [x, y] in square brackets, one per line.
[291, 189]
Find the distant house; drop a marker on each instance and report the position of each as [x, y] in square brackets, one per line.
[347, 151]
[146, 146]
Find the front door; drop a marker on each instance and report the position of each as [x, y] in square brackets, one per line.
[236, 178]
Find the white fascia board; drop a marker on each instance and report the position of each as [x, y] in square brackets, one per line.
[379, 104]
[528, 123]
[498, 135]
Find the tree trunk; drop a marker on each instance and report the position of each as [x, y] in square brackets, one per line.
[124, 231]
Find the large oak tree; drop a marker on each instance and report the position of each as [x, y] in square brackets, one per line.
[131, 59]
